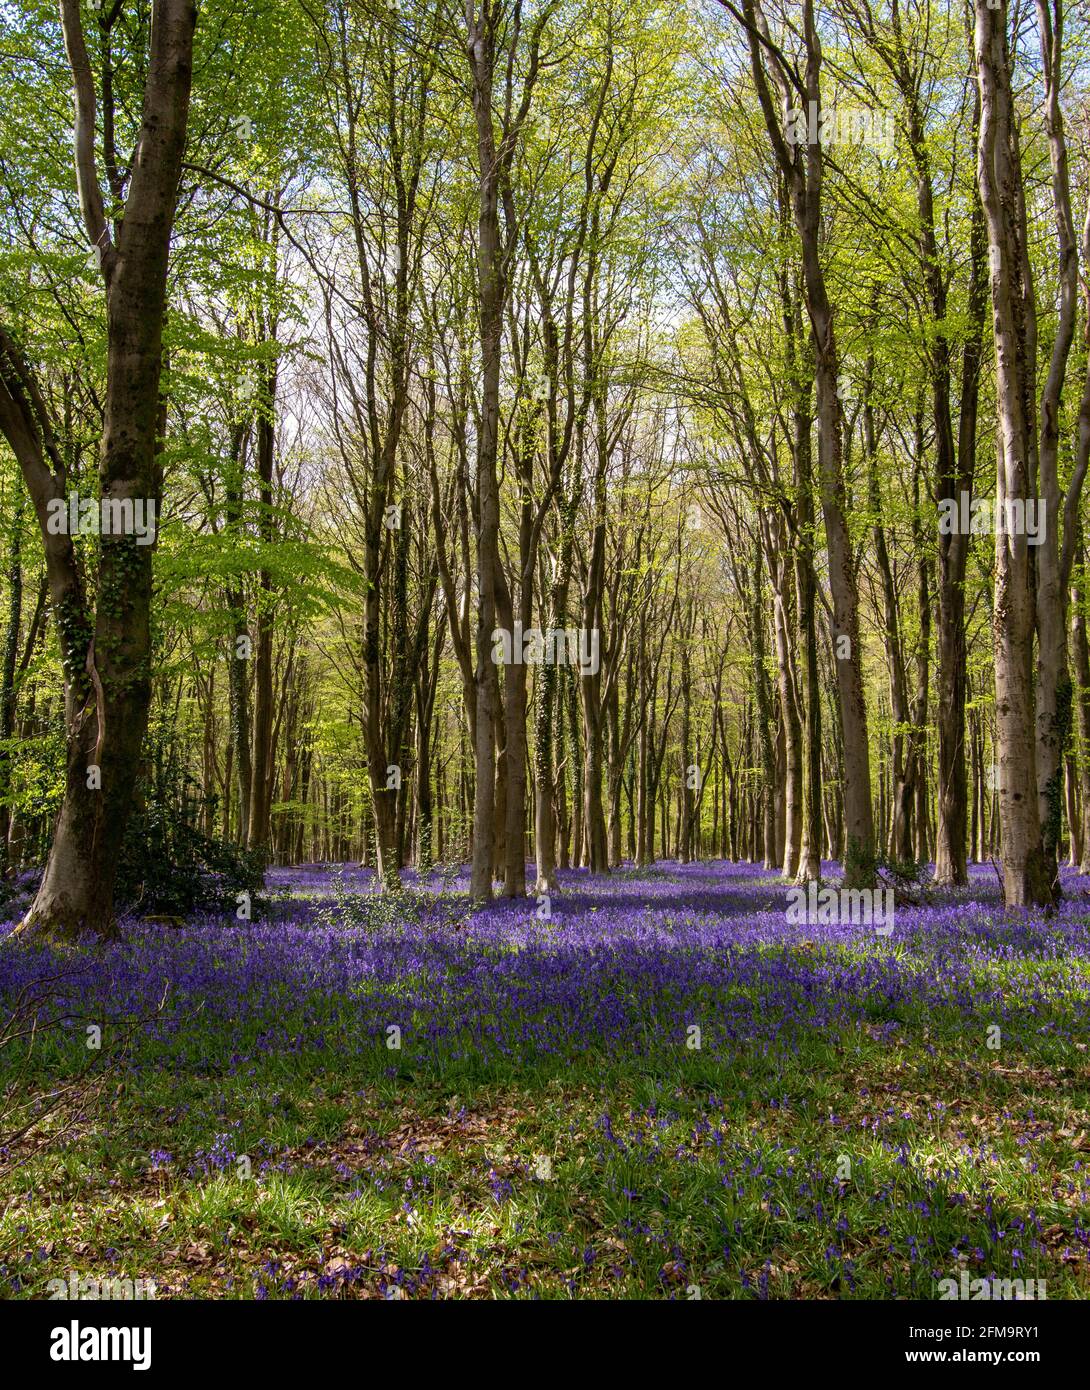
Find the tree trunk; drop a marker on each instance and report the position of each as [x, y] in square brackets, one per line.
[107, 660]
[1027, 876]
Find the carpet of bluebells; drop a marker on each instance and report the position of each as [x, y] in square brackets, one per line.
[649, 1085]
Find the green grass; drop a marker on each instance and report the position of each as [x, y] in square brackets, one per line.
[384, 1166]
[394, 1171]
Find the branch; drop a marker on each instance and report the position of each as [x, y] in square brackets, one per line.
[90, 193]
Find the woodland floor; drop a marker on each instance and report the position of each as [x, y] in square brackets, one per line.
[547, 1127]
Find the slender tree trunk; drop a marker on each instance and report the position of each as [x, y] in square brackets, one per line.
[7, 672]
[1027, 876]
[1081, 651]
[1053, 693]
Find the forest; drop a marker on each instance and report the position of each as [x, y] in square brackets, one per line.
[544, 675]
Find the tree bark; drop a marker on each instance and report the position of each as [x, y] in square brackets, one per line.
[1027, 876]
[107, 658]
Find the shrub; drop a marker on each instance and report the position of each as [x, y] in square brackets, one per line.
[169, 865]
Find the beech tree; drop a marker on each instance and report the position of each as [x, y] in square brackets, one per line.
[106, 646]
[576, 445]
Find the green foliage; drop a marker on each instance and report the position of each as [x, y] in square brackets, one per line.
[169, 865]
[392, 910]
[904, 873]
